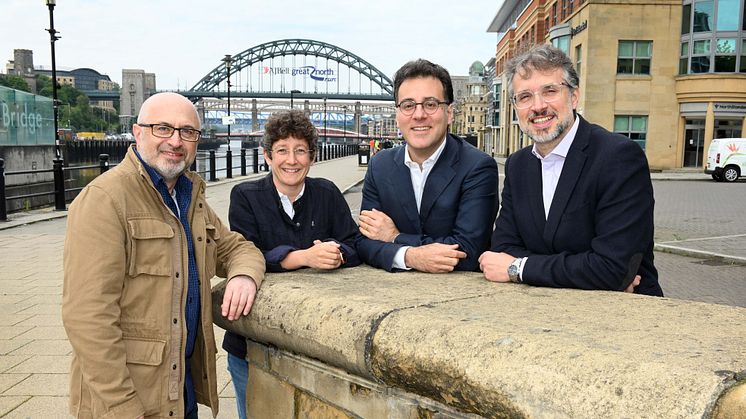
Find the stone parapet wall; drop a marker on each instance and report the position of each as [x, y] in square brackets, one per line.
[456, 345]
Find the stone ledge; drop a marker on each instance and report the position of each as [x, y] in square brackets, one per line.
[504, 349]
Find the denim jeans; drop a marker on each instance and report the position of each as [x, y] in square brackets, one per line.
[239, 370]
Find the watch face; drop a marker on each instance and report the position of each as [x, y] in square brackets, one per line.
[512, 270]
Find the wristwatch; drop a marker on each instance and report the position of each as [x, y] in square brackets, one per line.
[513, 270]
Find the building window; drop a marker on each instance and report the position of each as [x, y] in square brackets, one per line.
[546, 24]
[701, 56]
[632, 126]
[686, 19]
[570, 6]
[564, 9]
[563, 43]
[703, 13]
[725, 55]
[684, 58]
[728, 12]
[742, 68]
[634, 57]
[554, 14]
[578, 59]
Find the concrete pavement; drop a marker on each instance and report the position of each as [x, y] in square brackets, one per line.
[35, 353]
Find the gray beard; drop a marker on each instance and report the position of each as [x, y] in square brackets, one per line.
[552, 135]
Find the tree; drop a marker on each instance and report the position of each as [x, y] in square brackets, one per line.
[75, 110]
[14, 82]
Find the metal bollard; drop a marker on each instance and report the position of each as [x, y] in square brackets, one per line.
[229, 164]
[243, 162]
[3, 209]
[213, 178]
[59, 185]
[103, 162]
[255, 160]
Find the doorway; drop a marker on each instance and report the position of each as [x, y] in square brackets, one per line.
[694, 141]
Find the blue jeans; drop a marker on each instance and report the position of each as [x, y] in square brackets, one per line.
[239, 370]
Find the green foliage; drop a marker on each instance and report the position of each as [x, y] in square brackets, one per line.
[14, 82]
[75, 110]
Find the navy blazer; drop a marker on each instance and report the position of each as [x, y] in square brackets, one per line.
[600, 221]
[459, 203]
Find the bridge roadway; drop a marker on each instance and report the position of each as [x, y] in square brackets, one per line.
[35, 353]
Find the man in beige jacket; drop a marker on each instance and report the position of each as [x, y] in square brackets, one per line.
[142, 245]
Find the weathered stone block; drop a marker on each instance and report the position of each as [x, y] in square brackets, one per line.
[268, 397]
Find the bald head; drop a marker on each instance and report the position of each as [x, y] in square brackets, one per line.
[160, 102]
[170, 155]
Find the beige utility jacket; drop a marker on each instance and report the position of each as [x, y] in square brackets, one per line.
[124, 294]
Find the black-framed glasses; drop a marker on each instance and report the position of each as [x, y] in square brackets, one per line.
[430, 106]
[166, 131]
[549, 93]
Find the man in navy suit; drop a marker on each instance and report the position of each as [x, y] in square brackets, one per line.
[577, 206]
[430, 205]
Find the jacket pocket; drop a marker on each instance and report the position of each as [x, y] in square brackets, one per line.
[211, 249]
[144, 359]
[150, 251]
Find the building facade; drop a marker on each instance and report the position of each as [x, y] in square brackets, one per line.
[470, 109]
[671, 75]
[86, 79]
[137, 86]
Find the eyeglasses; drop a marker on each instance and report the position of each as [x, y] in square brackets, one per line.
[430, 106]
[299, 153]
[166, 131]
[549, 93]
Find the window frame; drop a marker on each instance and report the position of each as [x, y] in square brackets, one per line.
[629, 131]
[635, 59]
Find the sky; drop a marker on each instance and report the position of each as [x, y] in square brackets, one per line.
[182, 41]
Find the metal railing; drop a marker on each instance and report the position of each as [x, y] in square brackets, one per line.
[250, 160]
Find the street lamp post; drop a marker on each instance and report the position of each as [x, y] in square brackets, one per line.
[228, 60]
[326, 134]
[52, 38]
[293, 92]
[59, 180]
[344, 122]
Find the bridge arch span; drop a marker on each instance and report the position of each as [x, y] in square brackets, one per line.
[294, 47]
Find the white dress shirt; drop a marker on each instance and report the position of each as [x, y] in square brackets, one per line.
[287, 205]
[551, 169]
[418, 175]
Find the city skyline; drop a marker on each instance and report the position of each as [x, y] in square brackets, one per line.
[184, 47]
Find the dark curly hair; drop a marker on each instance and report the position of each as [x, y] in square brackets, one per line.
[292, 123]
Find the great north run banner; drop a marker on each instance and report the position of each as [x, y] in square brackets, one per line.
[25, 118]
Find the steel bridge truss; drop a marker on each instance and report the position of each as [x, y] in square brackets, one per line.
[209, 86]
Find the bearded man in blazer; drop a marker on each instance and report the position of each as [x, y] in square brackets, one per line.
[577, 206]
[430, 205]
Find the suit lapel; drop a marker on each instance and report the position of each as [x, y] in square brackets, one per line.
[569, 177]
[440, 176]
[532, 185]
[401, 184]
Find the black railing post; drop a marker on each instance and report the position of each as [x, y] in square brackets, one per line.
[3, 209]
[229, 164]
[243, 162]
[255, 160]
[103, 162]
[59, 184]
[213, 178]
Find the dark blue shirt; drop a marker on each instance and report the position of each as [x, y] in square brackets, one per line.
[183, 190]
[320, 214]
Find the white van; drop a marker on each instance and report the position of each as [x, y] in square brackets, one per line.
[726, 159]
